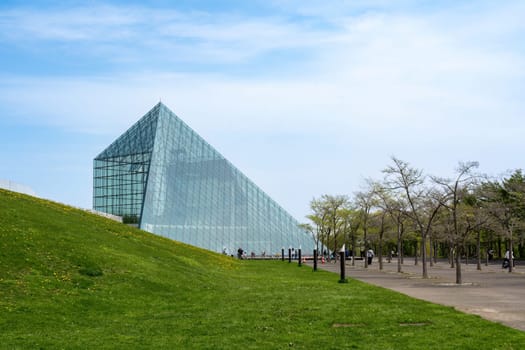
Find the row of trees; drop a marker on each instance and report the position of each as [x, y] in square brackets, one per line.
[427, 216]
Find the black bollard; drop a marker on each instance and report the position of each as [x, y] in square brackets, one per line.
[289, 255]
[315, 259]
[343, 265]
[299, 253]
[282, 254]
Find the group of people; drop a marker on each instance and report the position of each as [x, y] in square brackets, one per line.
[241, 254]
[369, 255]
[506, 260]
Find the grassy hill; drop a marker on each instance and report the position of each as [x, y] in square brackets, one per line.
[70, 279]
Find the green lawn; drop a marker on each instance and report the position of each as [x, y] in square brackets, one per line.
[69, 279]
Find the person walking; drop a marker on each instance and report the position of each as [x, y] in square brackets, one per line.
[370, 256]
[506, 260]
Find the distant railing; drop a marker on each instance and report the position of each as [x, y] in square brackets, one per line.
[16, 187]
[106, 215]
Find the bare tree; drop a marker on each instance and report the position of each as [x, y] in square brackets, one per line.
[326, 217]
[319, 219]
[314, 231]
[505, 202]
[346, 218]
[365, 201]
[380, 219]
[423, 202]
[334, 204]
[456, 191]
[396, 209]
[355, 223]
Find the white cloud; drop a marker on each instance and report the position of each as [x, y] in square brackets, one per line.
[90, 23]
[378, 72]
[131, 33]
[430, 88]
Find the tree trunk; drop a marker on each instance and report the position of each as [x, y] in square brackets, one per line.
[458, 265]
[478, 250]
[511, 250]
[452, 257]
[399, 247]
[424, 256]
[415, 253]
[431, 252]
[366, 248]
[380, 252]
[336, 249]
[402, 253]
[353, 250]
[329, 257]
[449, 255]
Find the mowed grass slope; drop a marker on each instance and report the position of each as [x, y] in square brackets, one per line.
[69, 279]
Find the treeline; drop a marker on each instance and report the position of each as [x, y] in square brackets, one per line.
[408, 212]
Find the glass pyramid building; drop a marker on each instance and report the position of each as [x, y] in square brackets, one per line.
[164, 177]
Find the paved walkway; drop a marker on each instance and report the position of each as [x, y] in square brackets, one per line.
[492, 293]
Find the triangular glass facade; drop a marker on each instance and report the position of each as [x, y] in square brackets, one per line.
[165, 177]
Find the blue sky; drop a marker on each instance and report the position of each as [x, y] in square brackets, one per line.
[304, 97]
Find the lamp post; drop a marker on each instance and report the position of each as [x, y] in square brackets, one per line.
[315, 259]
[343, 265]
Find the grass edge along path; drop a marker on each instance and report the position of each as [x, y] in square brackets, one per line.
[70, 279]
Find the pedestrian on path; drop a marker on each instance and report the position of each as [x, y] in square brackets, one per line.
[506, 260]
[370, 256]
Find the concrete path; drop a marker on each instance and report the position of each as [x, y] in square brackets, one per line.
[492, 293]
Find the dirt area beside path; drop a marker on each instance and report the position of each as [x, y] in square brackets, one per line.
[492, 293]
